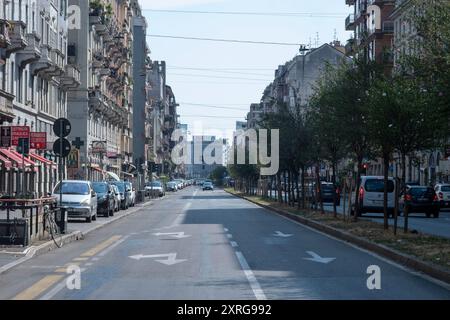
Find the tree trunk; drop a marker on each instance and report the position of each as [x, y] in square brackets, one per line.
[333, 179]
[303, 188]
[357, 185]
[285, 188]
[297, 180]
[386, 159]
[280, 199]
[319, 189]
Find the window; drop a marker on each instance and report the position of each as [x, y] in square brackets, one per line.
[377, 185]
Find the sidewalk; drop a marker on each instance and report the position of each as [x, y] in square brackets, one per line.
[13, 256]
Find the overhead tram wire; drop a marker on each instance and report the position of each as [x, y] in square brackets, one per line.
[219, 71]
[215, 107]
[226, 40]
[250, 13]
[214, 77]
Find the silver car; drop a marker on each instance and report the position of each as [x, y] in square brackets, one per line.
[78, 197]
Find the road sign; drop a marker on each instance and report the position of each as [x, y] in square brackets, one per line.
[24, 146]
[62, 128]
[5, 137]
[78, 143]
[38, 140]
[65, 150]
[18, 132]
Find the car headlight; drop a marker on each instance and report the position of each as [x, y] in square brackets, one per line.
[85, 202]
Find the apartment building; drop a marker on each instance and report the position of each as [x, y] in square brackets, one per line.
[373, 31]
[163, 116]
[101, 108]
[35, 75]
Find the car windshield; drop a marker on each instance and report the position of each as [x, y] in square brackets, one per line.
[377, 185]
[445, 188]
[420, 192]
[120, 186]
[155, 184]
[100, 187]
[75, 188]
[327, 188]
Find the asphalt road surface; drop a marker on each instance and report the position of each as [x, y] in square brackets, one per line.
[417, 221]
[210, 245]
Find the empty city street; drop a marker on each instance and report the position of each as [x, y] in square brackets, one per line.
[197, 244]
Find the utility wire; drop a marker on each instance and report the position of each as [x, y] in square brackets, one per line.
[221, 71]
[214, 107]
[202, 116]
[249, 13]
[214, 77]
[225, 40]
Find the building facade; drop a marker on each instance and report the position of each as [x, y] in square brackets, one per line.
[101, 108]
[35, 76]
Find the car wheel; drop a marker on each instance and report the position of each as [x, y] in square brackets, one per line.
[89, 219]
[94, 218]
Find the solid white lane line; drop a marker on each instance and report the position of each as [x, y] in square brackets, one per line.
[226, 230]
[254, 284]
[230, 236]
[234, 244]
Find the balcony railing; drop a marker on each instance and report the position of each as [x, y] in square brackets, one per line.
[18, 36]
[5, 41]
[350, 22]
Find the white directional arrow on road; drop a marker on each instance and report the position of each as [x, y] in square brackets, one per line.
[171, 258]
[178, 235]
[316, 258]
[282, 235]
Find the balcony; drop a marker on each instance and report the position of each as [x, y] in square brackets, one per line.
[5, 40]
[43, 65]
[58, 64]
[6, 107]
[350, 22]
[32, 52]
[17, 36]
[96, 100]
[71, 78]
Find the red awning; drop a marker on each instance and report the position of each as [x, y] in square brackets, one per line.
[25, 159]
[6, 162]
[42, 159]
[11, 156]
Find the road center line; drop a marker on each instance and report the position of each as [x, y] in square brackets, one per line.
[39, 287]
[100, 247]
[254, 284]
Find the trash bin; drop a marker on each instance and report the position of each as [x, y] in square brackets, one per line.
[61, 220]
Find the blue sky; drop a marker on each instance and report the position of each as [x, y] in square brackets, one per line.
[252, 64]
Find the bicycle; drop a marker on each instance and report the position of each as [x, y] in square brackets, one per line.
[51, 226]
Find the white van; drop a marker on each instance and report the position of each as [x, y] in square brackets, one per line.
[371, 195]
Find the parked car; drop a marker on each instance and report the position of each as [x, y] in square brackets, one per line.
[105, 198]
[124, 195]
[180, 184]
[172, 186]
[78, 197]
[132, 192]
[208, 186]
[420, 199]
[116, 193]
[157, 188]
[371, 195]
[443, 193]
[329, 193]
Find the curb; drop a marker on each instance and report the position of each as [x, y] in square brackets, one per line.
[432, 270]
[69, 238]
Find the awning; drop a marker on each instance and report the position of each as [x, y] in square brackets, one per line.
[113, 175]
[7, 164]
[11, 156]
[25, 159]
[42, 159]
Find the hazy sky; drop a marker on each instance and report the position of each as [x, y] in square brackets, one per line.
[236, 74]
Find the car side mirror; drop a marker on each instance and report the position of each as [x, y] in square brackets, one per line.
[93, 194]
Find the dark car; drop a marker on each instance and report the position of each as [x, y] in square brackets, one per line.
[329, 193]
[105, 198]
[124, 194]
[418, 199]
